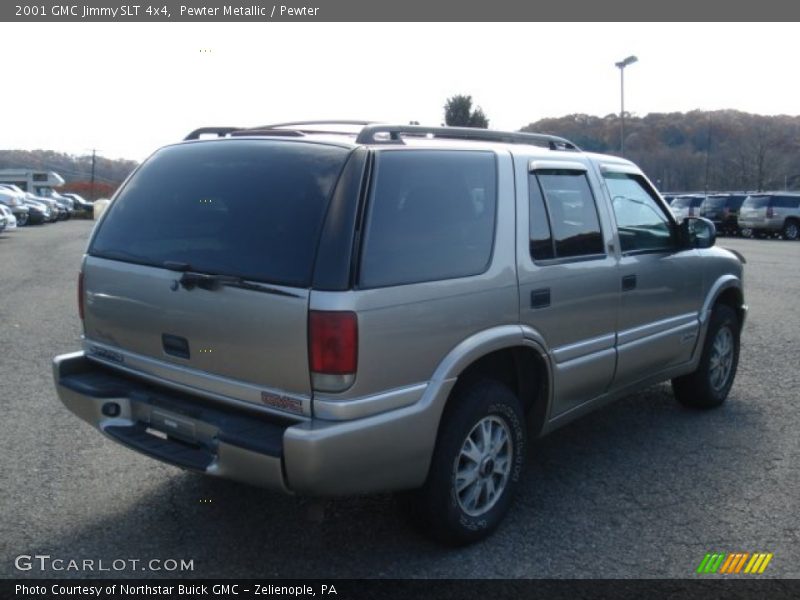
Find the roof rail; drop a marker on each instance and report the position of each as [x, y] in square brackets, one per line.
[290, 129]
[301, 125]
[218, 131]
[369, 134]
[307, 127]
[269, 132]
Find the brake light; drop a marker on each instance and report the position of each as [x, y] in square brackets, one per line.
[770, 212]
[332, 349]
[80, 295]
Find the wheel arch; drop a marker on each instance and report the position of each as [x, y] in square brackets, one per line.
[512, 355]
[726, 290]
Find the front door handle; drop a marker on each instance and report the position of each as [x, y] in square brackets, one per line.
[628, 283]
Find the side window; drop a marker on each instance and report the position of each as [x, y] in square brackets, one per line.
[786, 202]
[430, 216]
[563, 216]
[541, 238]
[642, 224]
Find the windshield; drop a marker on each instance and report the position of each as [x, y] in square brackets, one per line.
[247, 208]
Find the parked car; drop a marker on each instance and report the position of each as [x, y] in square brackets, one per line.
[771, 214]
[3, 221]
[404, 307]
[668, 198]
[16, 204]
[64, 200]
[81, 207]
[723, 211]
[38, 212]
[55, 212]
[686, 206]
[11, 221]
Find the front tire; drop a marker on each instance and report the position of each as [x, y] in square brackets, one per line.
[476, 466]
[709, 385]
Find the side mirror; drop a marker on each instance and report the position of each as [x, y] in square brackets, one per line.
[697, 232]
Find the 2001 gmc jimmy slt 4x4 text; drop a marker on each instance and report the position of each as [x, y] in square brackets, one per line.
[395, 308]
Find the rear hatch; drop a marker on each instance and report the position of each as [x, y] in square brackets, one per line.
[754, 209]
[200, 271]
[714, 208]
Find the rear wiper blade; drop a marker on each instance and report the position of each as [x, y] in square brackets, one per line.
[211, 282]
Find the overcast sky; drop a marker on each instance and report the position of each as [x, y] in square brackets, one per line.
[128, 88]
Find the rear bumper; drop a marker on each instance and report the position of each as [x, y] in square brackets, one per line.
[761, 224]
[383, 452]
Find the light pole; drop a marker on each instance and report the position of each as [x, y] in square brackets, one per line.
[621, 66]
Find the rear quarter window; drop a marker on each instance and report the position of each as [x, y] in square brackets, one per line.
[430, 216]
[247, 208]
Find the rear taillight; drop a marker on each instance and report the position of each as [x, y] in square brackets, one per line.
[80, 294]
[770, 212]
[332, 349]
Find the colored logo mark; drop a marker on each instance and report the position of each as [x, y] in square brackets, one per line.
[737, 562]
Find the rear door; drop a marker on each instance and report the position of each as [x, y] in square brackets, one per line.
[199, 272]
[568, 279]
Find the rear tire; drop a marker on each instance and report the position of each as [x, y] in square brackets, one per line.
[476, 466]
[791, 230]
[709, 385]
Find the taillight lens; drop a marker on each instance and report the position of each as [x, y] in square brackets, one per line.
[332, 349]
[80, 294]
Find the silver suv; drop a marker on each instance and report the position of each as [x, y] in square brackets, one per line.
[398, 308]
[769, 214]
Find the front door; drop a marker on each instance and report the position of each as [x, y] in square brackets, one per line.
[660, 283]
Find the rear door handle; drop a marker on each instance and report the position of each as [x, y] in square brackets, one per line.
[628, 283]
[540, 298]
[175, 345]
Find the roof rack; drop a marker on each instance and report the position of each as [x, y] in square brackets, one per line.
[301, 125]
[218, 131]
[290, 129]
[369, 135]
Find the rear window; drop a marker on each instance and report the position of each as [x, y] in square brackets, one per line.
[716, 202]
[687, 201]
[247, 208]
[756, 202]
[430, 216]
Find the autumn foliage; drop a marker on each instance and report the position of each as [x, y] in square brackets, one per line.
[84, 188]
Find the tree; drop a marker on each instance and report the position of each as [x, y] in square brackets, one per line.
[458, 113]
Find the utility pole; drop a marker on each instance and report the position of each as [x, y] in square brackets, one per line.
[94, 159]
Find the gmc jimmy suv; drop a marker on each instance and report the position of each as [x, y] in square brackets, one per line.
[389, 308]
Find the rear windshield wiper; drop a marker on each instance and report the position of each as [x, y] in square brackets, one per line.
[208, 281]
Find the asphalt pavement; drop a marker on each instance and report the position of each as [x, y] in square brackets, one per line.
[642, 488]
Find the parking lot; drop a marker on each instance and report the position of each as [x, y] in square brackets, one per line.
[642, 488]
